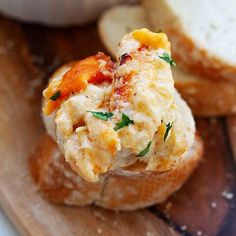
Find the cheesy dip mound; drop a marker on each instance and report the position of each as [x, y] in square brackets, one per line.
[107, 115]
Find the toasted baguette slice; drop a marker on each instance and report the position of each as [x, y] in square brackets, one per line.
[204, 96]
[122, 189]
[202, 34]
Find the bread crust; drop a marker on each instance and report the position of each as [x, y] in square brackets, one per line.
[122, 189]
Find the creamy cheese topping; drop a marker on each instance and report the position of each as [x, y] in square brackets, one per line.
[148, 121]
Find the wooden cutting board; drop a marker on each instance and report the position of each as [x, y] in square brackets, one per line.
[28, 55]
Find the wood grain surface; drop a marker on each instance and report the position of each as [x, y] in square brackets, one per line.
[28, 55]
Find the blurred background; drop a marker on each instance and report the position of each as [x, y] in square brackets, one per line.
[36, 37]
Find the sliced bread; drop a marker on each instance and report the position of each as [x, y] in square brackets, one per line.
[202, 34]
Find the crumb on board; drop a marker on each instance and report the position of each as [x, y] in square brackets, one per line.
[214, 205]
[183, 227]
[227, 195]
[99, 230]
[199, 233]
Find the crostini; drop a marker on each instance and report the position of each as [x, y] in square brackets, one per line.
[120, 124]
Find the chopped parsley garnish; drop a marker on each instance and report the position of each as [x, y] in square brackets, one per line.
[166, 57]
[168, 127]
[160, 31]
[102, 115]
[145, 150]
[125, 121]
[55, 96]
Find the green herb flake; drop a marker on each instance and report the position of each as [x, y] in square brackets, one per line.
[145, 150]
[166, 57]
[160, 31]
[125, 121]
[55, 96]
[102, 115]
[168, 127]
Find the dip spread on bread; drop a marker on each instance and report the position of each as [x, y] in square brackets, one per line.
[107, 115]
